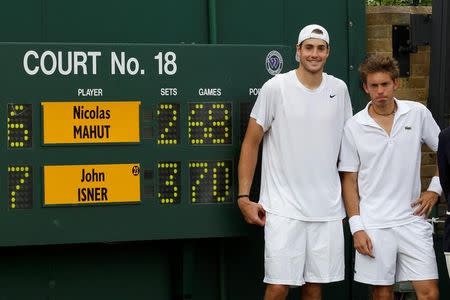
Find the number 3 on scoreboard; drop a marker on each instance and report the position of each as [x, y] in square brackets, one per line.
[169, 65]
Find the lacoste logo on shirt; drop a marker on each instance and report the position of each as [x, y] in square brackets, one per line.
[408, 127]
[332, 96]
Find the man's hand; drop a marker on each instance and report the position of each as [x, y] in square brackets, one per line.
[362, 243]
[423, 205]
[253, 212]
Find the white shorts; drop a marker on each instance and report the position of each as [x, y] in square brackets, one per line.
[402, 253]
[297, 251]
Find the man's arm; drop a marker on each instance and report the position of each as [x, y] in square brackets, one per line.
[253, 212]
[350, 193]
[427, 199]
[443, 162]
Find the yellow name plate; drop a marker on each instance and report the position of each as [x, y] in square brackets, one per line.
[91, 122]
[91, 184]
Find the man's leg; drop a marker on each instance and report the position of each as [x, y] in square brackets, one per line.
[311, 291]
[426, 289]
[378, 271]
[284, 255]
[276, 292]
[416, 259]
[382, 292]
[324, 257]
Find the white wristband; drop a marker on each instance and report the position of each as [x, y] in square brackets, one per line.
[356, 224]
[435, 185]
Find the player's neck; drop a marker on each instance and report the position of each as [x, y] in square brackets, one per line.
[310, 80]
[384, 108]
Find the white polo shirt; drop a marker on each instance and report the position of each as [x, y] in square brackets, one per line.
[303, 131]
[388, 166]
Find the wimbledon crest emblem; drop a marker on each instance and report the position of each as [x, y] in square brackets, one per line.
[274, 62]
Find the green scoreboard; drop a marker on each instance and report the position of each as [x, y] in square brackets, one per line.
[118, 142]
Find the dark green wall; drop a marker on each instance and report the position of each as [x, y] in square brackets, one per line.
[193, 21]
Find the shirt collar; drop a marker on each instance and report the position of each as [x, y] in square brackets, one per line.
[365, 119]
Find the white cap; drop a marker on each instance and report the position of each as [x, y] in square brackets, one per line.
[308, 33]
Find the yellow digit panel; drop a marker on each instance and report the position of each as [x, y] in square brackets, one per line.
[90, 122]
[169, 188]
[20, 125]
[210, 181]
[91, 184]
[168, 124]
[209, 123]
[20, 186]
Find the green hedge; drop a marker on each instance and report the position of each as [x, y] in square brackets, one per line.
[399, 2]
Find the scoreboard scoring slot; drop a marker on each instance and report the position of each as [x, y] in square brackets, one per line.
[19, 125]
[169, 174]
[210, 181]
[20, 186]
[209, 123]
[168, 124]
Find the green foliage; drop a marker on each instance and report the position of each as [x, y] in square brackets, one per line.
[398, 2]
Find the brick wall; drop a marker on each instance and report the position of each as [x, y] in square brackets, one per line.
[380, 20]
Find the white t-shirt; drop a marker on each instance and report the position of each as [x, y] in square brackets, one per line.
[388, 166]
[303, 131]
